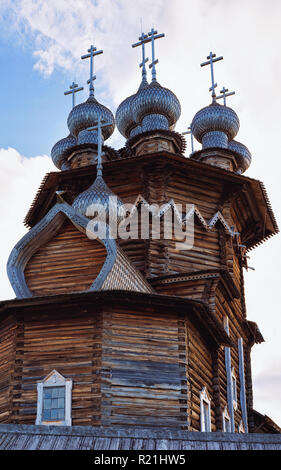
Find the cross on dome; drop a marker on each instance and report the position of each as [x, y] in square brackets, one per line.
[92, 52]
[73, 89]
[152, 35]
[212, 58]
[142, 42]
[224, 94]
[100, 124]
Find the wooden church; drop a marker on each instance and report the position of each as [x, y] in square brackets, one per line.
[133, 342]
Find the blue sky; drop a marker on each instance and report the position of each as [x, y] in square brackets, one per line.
[40, 47]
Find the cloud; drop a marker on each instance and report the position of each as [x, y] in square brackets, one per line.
[20, 178]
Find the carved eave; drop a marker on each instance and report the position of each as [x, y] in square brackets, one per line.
[251, 209]
[198, 312]
[221, 276]
[254, 332]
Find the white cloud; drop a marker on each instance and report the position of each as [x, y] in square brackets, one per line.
[245, 32]
[20, 178]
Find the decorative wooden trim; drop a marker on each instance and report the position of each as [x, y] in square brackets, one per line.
[243, 400]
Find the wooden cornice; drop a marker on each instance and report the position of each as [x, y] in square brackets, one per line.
[197, 311]
[259, 223]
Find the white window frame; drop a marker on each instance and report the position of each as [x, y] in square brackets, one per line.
[234, 388]
[54, 379]
[241, 428]
[226, 417]
[205, 400]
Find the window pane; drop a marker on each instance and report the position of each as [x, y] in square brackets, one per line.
[54, 403]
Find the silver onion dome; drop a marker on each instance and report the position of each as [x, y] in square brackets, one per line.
[124, 117]
[60, 150]
[156, 100]
[244, 155]
[86, 115]
[98, 194]
[215, 118]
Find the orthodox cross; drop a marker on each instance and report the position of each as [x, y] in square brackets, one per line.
[101, 123]
[225, 94]
[92, 52]
[152, 36]
[142, 42]
[191, 137]
[211, 59]
[73, 89]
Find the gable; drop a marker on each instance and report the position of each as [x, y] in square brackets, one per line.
[68, 262]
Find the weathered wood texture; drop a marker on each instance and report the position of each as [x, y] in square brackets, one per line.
[69, 262]
[145, 372]
[132, 366]
[69, 343]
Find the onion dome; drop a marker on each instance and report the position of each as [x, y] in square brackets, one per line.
[124, 117]
[243, 154]
[86, 115]
[215, 125]
[98, 194]
[156, 107]
[61, 150]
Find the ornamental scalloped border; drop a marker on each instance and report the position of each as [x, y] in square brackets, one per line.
[43, 232]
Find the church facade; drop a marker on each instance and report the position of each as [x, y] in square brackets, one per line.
[135, 335]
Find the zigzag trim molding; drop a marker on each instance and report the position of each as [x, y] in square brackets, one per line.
[193, 211]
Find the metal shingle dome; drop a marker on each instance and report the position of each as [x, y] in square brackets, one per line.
[215, 118]
[243, 152]
[97, 194]
[86, 115]
[60, 150]
[155, 99]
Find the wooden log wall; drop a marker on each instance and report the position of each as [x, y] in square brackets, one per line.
[67, 342]
[69, 262]
[8, 328]
[145, 381]
[231, 309]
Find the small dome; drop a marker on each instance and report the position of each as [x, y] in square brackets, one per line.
[155, 99]
[124, 117]
[215, 118]
[61, 149]
[86, 114]
[98, 193]
[244, 155]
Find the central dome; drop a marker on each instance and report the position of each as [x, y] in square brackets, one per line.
[86, 115]
[156, 100]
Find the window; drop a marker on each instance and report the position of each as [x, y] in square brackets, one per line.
[54, 400]
[205, 411]
[234, 388]
[226, 421]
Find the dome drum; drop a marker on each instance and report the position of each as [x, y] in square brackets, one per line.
[88, 137]
[214, 139]
[154, 122]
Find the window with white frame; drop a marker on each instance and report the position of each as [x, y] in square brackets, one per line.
[226, 421]
[54, 400]
[234, 388]
[241, 428]
[205, 411]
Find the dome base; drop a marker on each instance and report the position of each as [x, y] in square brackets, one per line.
[156, 141]
[222, 158]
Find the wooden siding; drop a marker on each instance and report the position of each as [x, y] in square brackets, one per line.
[69, 262]
[69, 343]
[144, 359]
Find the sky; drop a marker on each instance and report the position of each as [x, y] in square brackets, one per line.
[40, 48]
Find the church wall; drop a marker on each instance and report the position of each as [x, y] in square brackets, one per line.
[8, 328]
